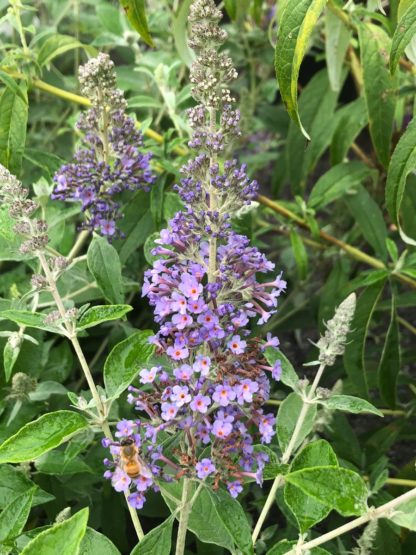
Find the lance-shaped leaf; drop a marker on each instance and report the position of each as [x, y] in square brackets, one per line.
[404, 33]
[136, 14]
[351, 119]
[348, 403]
[337, 38]
[40, 436]
[389, 367]
[13, 121]
[297, 22]
[378, 87]
[403, 161]
[104, 264]
[102, 313]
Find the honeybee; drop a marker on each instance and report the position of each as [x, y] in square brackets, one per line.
[130, 460]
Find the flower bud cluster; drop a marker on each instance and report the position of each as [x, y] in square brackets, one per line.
[210, 380]
[21, 209]
[110, 160]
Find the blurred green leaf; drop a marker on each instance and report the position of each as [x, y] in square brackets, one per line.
[351, 119]
[389, 367]
[299, 253]
[404, 33]
[40, 436]
[14, 482]
[56, 45]
[136, 14]
[297, 22]
[337, 38]
[13, 517]
[180, 36]
[354, 357]
[13, 86]
[10, 354]
[379, 87]
[403, 162]
[13, 121]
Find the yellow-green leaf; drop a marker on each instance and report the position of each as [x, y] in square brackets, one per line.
[136, 14]
[298, 19]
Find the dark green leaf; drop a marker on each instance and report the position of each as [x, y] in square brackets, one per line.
[347, 403]
[389, 367]
[299, 253]
[104, 264]
[136, 14]
[54, 463]
[13, 121]
[351, 119]
[40, 436]
[285, 546]
[63, 538]
[287, 417]
[297, 22]
[404, 33]
[370, 219]
[403, 162]
[338, 488]
[354, 357]
[102, 313]
[94, 543]
[378, 87]
[340, 180]
[158, 540]
[125, 361]
[13, 518]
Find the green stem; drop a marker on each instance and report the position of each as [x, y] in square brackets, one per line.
[183, 517]
[287, 454]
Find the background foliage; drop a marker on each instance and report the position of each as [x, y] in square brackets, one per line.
[336, 212]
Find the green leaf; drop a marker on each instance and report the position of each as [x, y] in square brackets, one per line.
[403, 162]
[13, 121]
[348, 403]
[289, 376]
[296, 25]
[29, 319]
[300, 254]
[316, 107]
[287, 417]
[13, 518]
[285, 546]
[158, 540]
[404, 33]
[180, 23]
[94, 543]
[337, 38]
[307, 510]
[405, 515]
[136, 14]
[370, 220]
[125, 361]
[234, 519]
[231, 8]
[204, 521]
[104, 264]
[54, 463]
[102, 313]
[351, 119]
[389, 367]
[56, 45]
[63, 538]
[338, 488]
[354, 357]
[13, 483]
[13, 86]
[10, 354]
[149, 245]
[379, 87]
[44, 434]
[338, 181]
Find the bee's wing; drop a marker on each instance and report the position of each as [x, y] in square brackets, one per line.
[145, 470]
